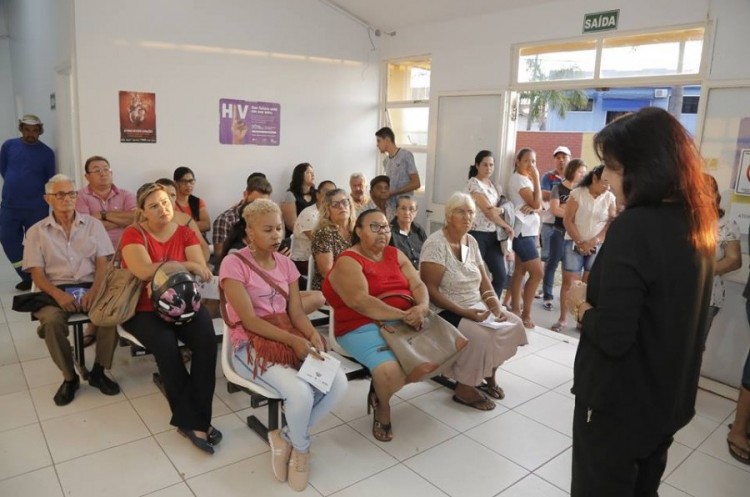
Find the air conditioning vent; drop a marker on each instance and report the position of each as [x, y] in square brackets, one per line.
[661, 93]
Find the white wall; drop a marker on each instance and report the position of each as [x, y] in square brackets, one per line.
[40, 41]
[7, 107]
[311, 59]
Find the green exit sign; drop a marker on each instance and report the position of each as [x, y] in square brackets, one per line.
[600, 21]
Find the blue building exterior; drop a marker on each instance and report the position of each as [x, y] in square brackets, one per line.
[605, 105]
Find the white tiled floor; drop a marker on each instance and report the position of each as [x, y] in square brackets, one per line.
[123, 445]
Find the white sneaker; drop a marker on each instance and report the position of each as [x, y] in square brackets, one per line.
[299, 470]
[280, 451]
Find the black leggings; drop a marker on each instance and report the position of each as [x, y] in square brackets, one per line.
[190, 394]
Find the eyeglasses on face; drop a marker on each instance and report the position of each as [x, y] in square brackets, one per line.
[62, 195]
[187, 181]
[340, 204]
[407, 209]
[464, 212]
[100, 170]
[380, 228]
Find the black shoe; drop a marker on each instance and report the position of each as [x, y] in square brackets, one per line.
[214, 436]
[103, 383]
[66, 392]
[24, 286]
[202, 444]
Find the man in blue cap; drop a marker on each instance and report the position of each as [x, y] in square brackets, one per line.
[26, 164]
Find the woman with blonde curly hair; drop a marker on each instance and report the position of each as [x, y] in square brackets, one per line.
[333, 234]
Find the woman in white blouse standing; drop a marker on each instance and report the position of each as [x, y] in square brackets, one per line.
[526, 194]
[588, 212]
[489, 217]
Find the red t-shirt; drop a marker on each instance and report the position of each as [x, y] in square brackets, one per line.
[171, 250]
[384, 276]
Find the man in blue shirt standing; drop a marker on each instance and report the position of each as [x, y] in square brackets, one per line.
[26, 164]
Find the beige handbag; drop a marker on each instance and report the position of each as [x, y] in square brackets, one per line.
[422, 353]
[118, 294]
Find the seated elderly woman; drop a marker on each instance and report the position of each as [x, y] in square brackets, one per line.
[263, 296]
[453, 271]
[190, 393]
[406, 235]
[333, 234]
[368, 269]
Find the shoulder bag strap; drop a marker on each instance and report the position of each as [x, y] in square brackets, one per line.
[259, 272]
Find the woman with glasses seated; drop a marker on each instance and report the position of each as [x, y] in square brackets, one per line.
[371, 268]
[453, 271]
[333, 234]
[406, 235]
[189, 203]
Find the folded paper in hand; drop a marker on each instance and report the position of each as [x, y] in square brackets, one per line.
[210, 289]
[319, 374]
[490, 322]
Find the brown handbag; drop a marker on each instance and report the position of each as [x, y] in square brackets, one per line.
[267, 351]
[118, 294]
[422, 353]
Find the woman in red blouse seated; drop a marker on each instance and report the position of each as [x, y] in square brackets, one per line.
[368, 269]
[189, 393]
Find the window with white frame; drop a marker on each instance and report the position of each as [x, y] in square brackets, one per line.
[407, 106]
[603, 59]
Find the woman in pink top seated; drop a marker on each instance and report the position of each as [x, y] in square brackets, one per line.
[262, 292]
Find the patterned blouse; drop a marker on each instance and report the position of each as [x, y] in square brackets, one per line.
[481, 223]
[327, 239]
[728, 231]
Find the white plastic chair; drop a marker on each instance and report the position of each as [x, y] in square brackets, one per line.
[259, 395]
[310, 272]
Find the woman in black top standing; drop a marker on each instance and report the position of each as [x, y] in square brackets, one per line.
[639, 358]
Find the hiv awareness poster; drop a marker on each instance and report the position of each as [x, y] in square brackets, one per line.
[249, 123]
[137, 117]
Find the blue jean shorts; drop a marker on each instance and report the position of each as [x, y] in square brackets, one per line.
[525, 248]
[574, 262]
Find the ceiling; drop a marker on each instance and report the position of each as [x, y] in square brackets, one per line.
[392, 15]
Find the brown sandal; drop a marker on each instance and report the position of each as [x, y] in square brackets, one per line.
[381, 431]
[493, 391]
[483, 404]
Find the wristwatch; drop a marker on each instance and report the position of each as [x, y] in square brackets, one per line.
[103, 214]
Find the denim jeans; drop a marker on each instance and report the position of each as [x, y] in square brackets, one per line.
[492, 254]
[552, 254]
[304, 405]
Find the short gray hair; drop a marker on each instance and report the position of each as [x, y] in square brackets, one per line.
[357, 176]
[457, 200]
[57, 178]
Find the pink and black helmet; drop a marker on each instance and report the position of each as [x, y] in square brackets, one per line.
[175, 293]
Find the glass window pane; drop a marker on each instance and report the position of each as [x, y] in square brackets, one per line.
[408, 80]
[557, 62]
[410, 125]
[654, 54]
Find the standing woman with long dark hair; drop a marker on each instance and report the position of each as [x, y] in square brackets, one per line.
[301, 194]
[645, 308]
[525, 192]
[489, 217]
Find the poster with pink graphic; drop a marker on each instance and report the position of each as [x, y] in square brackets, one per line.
[249, 123]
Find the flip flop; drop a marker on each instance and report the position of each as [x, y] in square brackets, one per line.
[482, 404]
[740, 454]
[493, 391]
